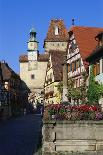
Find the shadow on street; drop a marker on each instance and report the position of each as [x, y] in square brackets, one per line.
[21, 136]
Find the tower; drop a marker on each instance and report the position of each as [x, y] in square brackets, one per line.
[33, 69]
[57, 36]
[32, 50]
[32, 45]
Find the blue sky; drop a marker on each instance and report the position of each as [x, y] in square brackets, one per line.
[18, 16]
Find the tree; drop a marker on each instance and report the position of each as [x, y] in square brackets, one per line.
[94, 89]
[77, 93]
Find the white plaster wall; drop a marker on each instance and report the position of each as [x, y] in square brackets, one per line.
[25, 75]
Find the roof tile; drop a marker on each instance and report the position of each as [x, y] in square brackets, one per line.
[85, 38]
[41, 58]
[63, 33]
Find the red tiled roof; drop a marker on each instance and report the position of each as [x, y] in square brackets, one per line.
[85, 38]
[23, 58]
[63, 33]
[98, 52]
[57, 58]
[41, 58]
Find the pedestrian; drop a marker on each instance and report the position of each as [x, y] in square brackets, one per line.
[42, 109]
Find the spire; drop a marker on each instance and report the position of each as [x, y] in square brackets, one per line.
[57, 31]
[32, 35]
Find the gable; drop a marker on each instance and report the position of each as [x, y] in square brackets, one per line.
[85, 38]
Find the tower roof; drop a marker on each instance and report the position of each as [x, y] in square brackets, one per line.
[33, 35]
[62, 31]
[32, 30]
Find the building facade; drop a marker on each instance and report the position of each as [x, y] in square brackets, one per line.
[33, 69]
[96, 59]
[11, 101]
[81, 44]
[54, 75]
[55, 44]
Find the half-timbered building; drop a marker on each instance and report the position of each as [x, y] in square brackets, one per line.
[81, 44]
[54, 75]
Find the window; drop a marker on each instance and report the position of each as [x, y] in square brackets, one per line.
[73, 45]
[78, 63]
[75, 66]
[32, 76]
[94, 69]
[56, 30]
[70, 67]
[97, 68]
[70, 50]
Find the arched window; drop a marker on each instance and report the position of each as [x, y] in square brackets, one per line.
[56, 30]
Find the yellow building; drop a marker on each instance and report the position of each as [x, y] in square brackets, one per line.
[53, 77]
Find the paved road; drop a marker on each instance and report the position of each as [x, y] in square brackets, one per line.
[20, 136]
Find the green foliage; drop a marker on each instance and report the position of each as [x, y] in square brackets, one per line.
[94, 89]
[79, 92]
[62, 111]
[75, 93]
[60, 87]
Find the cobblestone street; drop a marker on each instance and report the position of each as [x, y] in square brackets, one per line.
[20, 136]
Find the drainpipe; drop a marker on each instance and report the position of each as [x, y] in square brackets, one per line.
[65, 80]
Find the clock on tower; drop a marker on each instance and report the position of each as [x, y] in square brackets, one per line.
[32, 46]
[32, 43]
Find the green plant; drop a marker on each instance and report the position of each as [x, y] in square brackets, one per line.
[60, 87]
[94, 89]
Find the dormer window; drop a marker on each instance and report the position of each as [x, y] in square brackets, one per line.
[56, 30]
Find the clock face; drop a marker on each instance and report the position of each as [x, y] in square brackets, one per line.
[32, 65]
[32, 45]
[32, 55]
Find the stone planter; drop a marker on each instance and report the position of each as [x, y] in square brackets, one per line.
[72, 136]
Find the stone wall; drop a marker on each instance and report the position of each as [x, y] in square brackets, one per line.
[62, 46]
[79, 137]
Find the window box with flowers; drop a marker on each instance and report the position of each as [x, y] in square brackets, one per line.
[77, 112]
